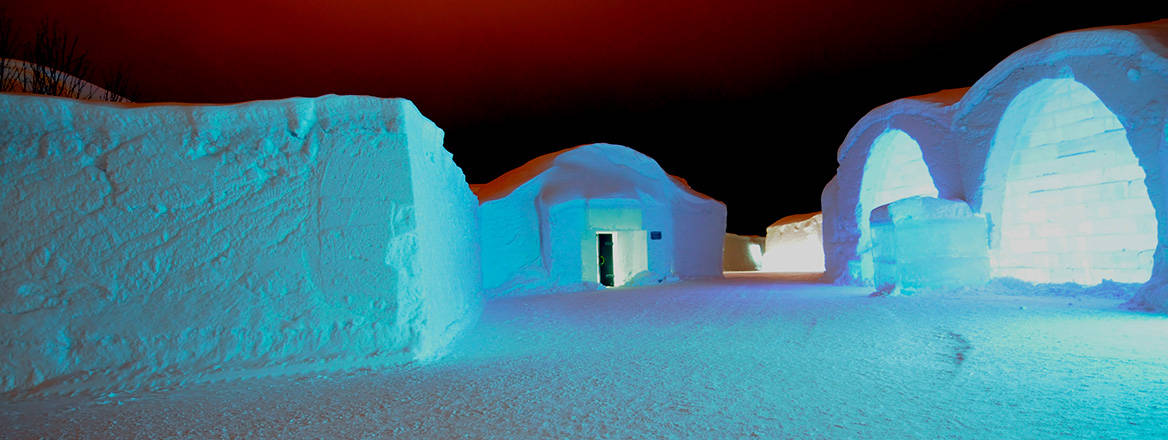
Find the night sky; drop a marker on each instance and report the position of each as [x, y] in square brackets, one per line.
[748, 101]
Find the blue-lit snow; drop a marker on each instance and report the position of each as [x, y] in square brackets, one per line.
[743, 357]
[1074, 206]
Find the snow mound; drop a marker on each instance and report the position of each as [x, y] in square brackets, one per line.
[1108, 289]
[154, 245]
[542, 224]
[21, 75]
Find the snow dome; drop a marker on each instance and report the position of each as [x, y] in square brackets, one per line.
[591, 216]
[150, 245]
[1055, 148]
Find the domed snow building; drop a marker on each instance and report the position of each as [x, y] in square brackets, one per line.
[593, 216]
[1048, 169]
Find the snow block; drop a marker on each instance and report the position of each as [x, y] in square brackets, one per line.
[795, 244]
[543, 224]
[924, 242]
[154, 245]
[742, 252]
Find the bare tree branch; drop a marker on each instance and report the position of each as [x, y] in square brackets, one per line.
[58, 65]
[118, 86]
[7, 49]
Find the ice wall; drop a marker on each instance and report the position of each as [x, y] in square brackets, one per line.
[155, 245]
[1075, 207]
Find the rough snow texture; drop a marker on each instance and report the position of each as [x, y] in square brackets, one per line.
[1057, 147]
[795, 244]
[152, 245]
[742, 252]
[925, 243]
[540, 223]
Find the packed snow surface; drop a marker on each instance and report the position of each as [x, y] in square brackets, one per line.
[155, 245]
[735, 358]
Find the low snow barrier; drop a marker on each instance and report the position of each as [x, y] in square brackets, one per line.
[152, 245]
[925, 242]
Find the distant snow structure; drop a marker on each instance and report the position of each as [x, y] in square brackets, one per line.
[1056, 148]
[20, 77]
[742, 253]
[795, 244]
[593, 216]
[152, 245]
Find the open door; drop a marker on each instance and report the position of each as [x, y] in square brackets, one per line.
[604, 259]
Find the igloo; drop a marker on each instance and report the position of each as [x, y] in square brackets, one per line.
[795, 244]
[153, 245]
[1055, 149]
[592, 216]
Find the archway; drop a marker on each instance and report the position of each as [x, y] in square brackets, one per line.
[1074, 206]
[895, 170]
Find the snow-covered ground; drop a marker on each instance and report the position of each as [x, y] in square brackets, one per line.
[747, 357]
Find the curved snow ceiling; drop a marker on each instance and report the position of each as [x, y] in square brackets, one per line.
[1074, 207]
[895, 170]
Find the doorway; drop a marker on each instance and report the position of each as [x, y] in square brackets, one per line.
[604, 260]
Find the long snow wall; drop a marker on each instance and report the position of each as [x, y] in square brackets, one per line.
[147, 246]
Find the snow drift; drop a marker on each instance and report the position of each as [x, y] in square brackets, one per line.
[795, 244]
[543, 224]
[151, 245]
[1056, 147]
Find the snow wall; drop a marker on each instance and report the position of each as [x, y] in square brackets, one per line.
[154, 245]
[541, 223]
[742, 252]
[795, 244]
[1059, 148]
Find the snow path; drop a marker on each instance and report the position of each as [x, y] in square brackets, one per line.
[740, 358]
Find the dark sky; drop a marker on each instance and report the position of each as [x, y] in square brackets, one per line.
[747, 100]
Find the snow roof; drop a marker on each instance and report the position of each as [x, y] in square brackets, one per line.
[943, 97]
[590, 171]
[944, 106]
[795, 218]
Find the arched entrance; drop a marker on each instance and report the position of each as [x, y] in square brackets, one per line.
[895, 170]
[1074, 206]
